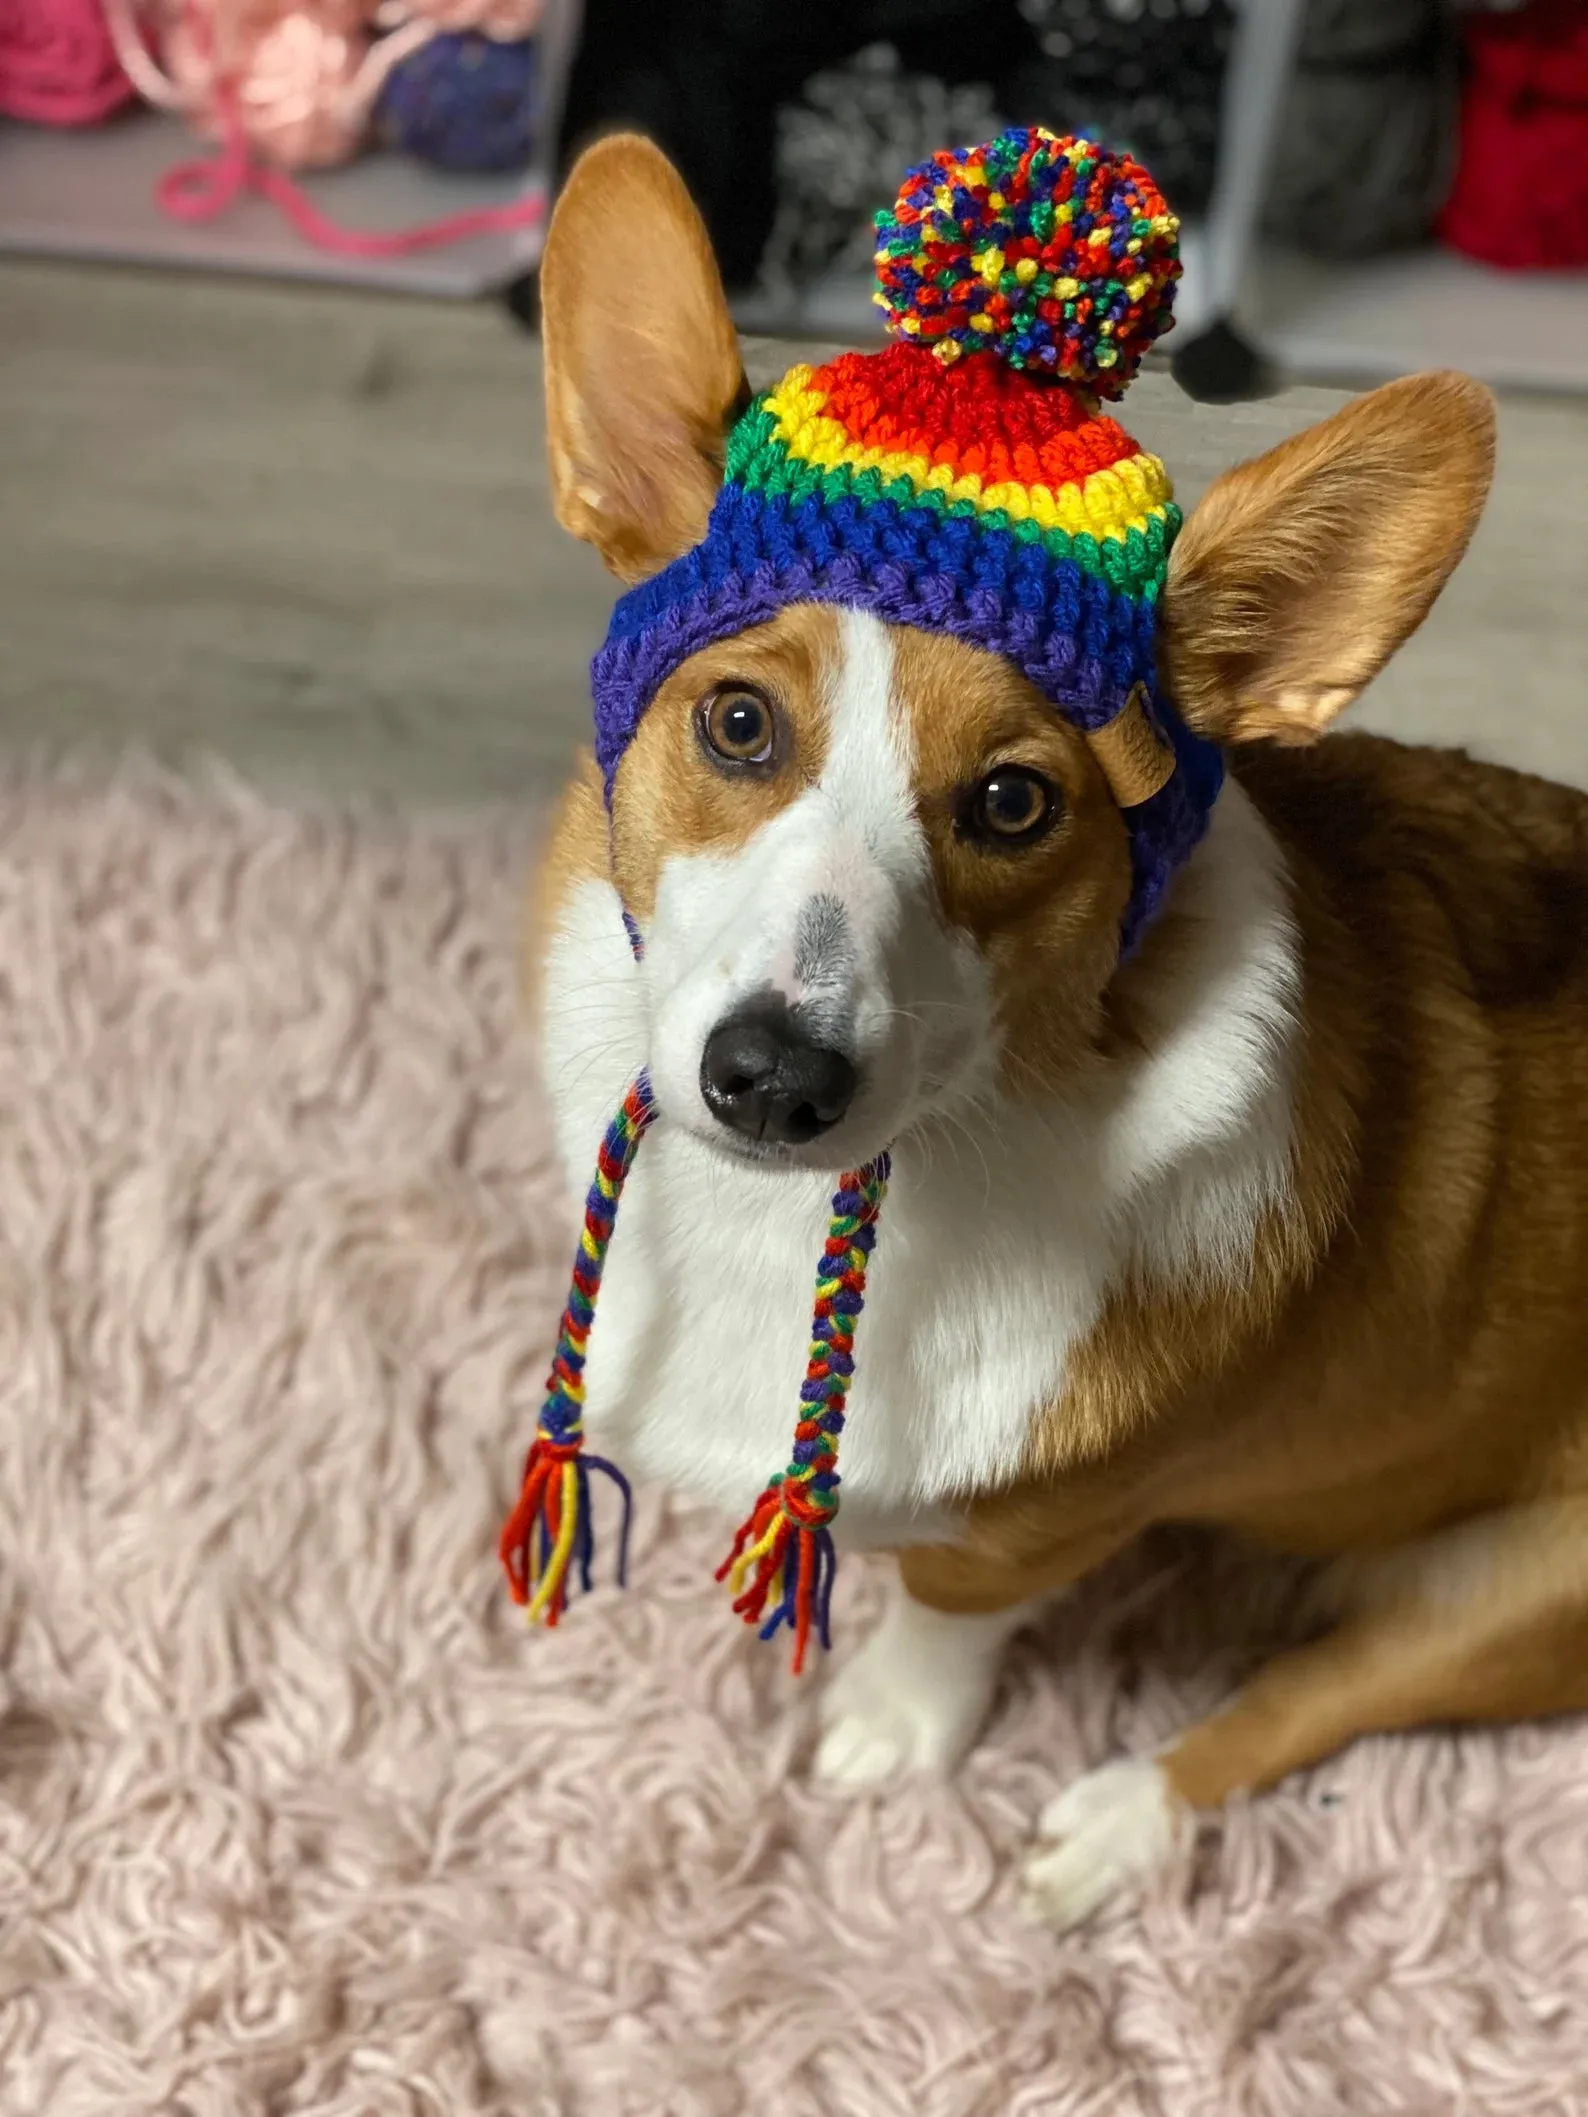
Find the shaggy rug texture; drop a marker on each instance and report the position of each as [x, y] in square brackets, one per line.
[296, 1816]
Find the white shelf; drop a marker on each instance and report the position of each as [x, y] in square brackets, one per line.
[1416, 309]
[91, 194]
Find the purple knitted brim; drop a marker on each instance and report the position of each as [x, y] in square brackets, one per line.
[629, 670]
[655, 629]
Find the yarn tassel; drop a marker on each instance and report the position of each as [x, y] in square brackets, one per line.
[781, 1567]
[550, 1533]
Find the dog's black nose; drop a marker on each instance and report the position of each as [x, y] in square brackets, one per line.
[764, 1074]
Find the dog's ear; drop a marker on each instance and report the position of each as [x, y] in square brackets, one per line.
[1302, 572]
[642, 364]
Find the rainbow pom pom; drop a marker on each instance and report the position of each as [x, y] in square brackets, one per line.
[1053, 253]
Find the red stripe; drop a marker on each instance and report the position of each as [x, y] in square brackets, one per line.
[804, 1595]
[977, 416]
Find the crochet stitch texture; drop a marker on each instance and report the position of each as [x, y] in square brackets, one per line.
[965, 480]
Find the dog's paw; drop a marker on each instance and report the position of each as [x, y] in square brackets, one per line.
[1106, 1831]
[879, 1722]
[913, 1698]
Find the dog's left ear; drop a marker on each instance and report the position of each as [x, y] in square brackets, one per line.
[1302, 572]
[642, 362]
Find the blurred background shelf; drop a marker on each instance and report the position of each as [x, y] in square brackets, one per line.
[1413, 309]
[90, 194]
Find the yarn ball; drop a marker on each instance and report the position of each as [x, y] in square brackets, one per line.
[296, 92]
[462, 101]
[1520, 198]
[57, 63]
[1056, 254]
[840, 146]
[1364, 159]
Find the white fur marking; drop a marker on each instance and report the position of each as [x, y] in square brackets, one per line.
[915, 1696]
[869, 776]
[1200, 1135]
[1104, 1832]
[726, 924]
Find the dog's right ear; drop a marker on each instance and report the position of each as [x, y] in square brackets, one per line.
[1302, 572]
[642, 363]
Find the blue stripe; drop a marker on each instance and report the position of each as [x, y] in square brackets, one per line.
[1080, 640]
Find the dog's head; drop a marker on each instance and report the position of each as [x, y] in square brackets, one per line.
[878, 875]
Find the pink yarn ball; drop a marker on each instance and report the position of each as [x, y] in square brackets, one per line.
[291, 73]
[283, 84]
[296, 98]
[57, 63]
[294, 80]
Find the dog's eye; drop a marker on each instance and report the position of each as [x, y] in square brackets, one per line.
[736, 724]
[1010, 807]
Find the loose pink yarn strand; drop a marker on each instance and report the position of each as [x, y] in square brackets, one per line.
[201, 189]
[126, 33]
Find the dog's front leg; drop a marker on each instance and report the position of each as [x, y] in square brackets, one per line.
[916, 1695]
[1483, 1621]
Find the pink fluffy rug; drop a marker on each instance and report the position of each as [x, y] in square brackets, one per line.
[294, 1814]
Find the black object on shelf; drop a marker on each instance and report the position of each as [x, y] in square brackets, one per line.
[521, 299]
[1219, 366]
[842, 146]
[705, 79]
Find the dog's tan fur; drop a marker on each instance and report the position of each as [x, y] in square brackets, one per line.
[1400, 1382]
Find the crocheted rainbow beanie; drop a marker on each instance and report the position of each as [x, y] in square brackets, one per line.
[965, 479]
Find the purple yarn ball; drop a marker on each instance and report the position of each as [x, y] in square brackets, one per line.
[462, 101]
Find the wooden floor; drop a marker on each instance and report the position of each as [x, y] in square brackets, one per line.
[307, 532]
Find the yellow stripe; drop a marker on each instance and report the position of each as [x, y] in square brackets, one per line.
[1108, 504]
[557, 1564]
[742, 1564]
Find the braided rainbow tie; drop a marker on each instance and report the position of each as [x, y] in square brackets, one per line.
[551, 1527]
[782, 1563]
[783, 1555]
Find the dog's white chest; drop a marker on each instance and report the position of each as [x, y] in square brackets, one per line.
[997, 1244]
[703, 1333]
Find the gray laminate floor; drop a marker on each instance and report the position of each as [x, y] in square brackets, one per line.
[307, 532]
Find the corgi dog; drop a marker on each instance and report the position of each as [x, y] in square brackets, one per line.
[1275, 1223]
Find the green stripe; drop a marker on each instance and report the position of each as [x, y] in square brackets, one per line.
[753, 432]
[1134, 563]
